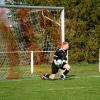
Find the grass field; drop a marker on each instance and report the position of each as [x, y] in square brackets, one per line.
[83, 83]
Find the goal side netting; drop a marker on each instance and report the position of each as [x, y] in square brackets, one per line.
[24, 64]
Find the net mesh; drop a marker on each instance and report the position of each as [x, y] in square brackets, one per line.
[15, 65]
[30, 29]
[27, 29]
[42, 62]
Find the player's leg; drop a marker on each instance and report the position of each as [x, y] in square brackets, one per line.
[67, 66]
[51, 76]
[65, 71]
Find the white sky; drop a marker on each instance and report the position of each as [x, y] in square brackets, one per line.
[2, 1]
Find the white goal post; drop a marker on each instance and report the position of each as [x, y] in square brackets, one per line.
[99, 60]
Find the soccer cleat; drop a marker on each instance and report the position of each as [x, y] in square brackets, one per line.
[62, 77]
[44, 77]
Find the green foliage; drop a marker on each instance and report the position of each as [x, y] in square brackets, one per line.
[82, 28]
[82, 20]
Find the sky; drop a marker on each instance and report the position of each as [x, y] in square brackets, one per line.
[2, 1]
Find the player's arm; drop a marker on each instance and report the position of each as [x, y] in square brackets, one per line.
[64, 56]
[57, 56]
[55, 59]
[65, 59]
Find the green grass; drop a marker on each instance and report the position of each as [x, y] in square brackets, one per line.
[83, 84]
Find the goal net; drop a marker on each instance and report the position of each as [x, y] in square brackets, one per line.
[28, 28]
[15, 64]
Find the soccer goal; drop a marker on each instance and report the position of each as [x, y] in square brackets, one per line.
[29, 35]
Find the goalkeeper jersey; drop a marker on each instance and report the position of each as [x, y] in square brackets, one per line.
[60, 54]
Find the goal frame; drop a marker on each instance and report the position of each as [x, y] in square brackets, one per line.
[42, 7]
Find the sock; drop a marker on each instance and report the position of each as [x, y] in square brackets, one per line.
[66, 72]
[63, 75]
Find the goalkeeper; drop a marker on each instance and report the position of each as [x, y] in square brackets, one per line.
[59, 62]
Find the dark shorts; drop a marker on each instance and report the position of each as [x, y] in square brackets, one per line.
[55, 68]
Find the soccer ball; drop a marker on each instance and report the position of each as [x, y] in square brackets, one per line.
[59, 62]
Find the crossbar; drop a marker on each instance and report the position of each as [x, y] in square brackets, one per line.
[33, 7]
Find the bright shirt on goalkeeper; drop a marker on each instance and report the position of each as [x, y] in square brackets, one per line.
[60, 54]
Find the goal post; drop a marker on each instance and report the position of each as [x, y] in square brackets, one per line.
[30, 33]
[62, 25]
[99, 60]
[32, 62]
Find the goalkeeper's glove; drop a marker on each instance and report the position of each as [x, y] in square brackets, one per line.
[57, 64]
[65, 61]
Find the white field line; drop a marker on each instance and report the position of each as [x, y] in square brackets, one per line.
[61, 89]
[88, 76]
[73, 77]
[68, 88]
[77, 76]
